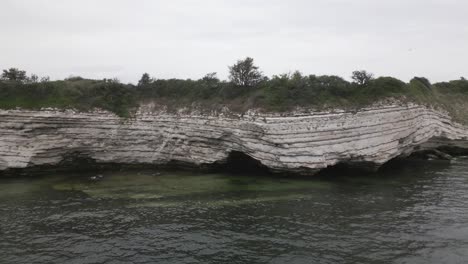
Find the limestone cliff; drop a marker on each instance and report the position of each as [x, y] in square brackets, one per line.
[301, 142]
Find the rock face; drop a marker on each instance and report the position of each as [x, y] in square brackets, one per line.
[294, 142]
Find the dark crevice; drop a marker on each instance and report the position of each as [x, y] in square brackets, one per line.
[442, 153]
[430, 154]
[239, 162]
[454, 151]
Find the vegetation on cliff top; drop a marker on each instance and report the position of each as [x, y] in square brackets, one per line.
[247, 88]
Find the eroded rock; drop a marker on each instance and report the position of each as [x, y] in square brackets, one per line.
[298, 142]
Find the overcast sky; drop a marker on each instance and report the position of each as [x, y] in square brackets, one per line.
[189, 38]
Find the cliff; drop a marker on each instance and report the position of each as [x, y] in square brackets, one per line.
[296, 142]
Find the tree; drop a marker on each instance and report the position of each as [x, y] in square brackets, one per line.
[34, 78]
[45, 79]
[13, 74]
[145, 79]
[362, 77]
[245, 73]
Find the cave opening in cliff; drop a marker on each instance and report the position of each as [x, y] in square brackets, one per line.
[239, 162]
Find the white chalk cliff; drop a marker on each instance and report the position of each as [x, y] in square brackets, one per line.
[292, 142]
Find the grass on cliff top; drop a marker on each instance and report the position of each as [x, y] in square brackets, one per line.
[83, 95]
[280, 93]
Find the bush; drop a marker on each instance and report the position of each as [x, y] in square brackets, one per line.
[280, 93]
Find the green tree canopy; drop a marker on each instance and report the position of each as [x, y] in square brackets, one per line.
[13, 74]
[245, 73]
[145, 79]
[362, 77]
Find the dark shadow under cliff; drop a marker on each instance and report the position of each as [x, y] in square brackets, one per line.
[239, 162]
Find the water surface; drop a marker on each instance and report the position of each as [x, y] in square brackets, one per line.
[416, 214]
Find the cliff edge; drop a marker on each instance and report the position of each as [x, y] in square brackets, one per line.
[297, 142]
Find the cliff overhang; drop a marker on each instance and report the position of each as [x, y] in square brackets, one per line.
[299, 142]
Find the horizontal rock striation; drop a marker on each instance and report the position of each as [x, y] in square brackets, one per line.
[295, 142]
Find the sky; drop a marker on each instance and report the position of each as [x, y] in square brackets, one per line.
[189, 38]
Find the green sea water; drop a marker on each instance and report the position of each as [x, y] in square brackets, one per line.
[417, 213]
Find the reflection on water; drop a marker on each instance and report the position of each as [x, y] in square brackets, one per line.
[416, 214]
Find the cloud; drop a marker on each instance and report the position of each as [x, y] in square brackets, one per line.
[187, 38]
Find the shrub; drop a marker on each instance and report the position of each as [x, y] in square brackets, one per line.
[280, 93]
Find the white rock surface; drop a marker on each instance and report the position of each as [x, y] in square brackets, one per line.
[294, 142]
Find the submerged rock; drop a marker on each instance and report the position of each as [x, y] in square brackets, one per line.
[296, 142]
[96, 177]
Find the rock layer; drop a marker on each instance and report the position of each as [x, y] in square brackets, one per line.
[291, 142]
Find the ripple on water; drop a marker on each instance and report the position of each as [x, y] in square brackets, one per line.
[414, 215]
